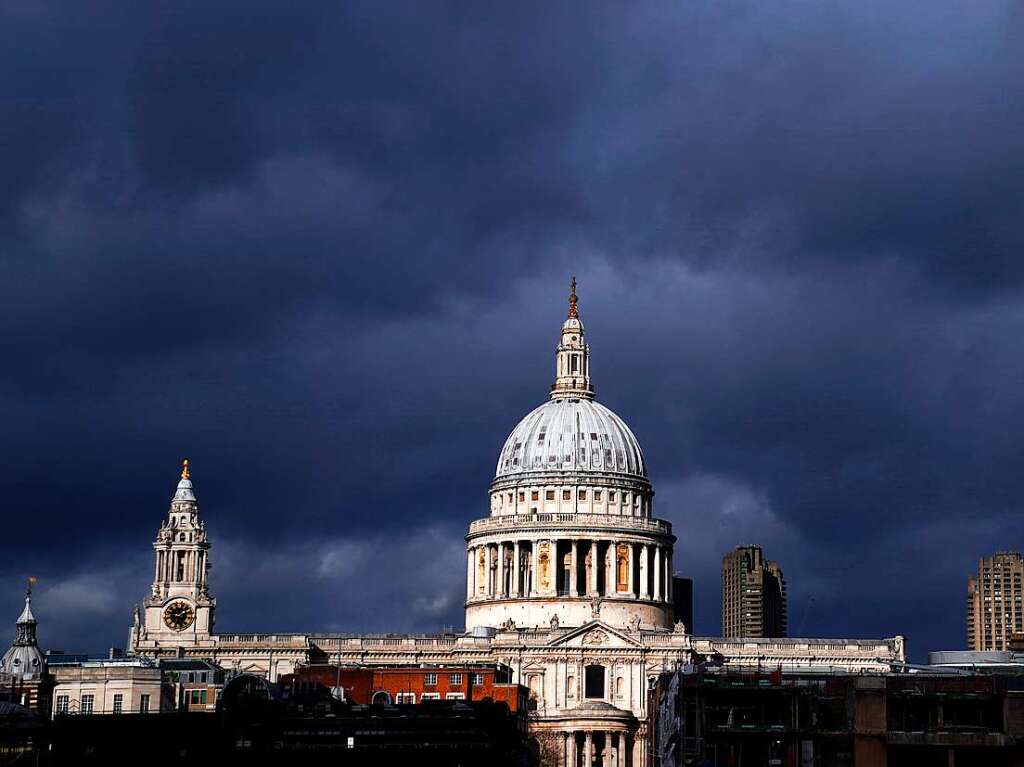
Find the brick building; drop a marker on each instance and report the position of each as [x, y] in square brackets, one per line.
[403, 685]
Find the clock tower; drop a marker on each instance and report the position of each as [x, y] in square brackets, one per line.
[179, 610]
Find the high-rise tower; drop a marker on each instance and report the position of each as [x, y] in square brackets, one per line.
[994, 610]
[753, 595]
[179, 609]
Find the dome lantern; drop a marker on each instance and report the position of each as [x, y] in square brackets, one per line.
[572, 358]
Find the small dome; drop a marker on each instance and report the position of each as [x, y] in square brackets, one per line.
[568, 434]
[25, 661]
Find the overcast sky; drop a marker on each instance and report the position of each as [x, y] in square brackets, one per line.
[322, 250]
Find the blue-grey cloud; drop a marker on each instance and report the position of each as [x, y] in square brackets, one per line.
[322, 250]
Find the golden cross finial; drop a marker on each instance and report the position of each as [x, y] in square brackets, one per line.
[184, 469]
[28, 589]
[573, 311]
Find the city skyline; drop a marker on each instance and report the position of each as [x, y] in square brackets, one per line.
[319, 252]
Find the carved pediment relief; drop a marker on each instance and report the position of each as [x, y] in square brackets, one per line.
[594, 634]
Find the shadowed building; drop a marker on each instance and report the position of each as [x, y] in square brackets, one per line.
[994, 595]
[753, 595]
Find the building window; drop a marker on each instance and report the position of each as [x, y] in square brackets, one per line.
[454, 696]
[455, 678]
[430, 680]
[405, 697]
[534, 495]
[62, 704]
[549, 495]
[583, 495]
[87, 703]
[522, 496]
[566, 495]
[611, 496]
[597, 496]
[431, 696]
[478, 680]
[143, 704]
[118, 703]
[381, 698]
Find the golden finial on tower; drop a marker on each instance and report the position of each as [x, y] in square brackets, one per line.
[184, 469]
[573, 311]
[28, 589]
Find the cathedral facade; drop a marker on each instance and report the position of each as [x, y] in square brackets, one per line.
[568, 583]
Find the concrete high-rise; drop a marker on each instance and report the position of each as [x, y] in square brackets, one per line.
[753, 595]
[994, 596]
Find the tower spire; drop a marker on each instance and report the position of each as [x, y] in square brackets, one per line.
[572, 358]
[26, 616]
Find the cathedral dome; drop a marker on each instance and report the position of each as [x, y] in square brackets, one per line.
[571, 434]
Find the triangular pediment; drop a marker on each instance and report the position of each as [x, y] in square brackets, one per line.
[594, 634]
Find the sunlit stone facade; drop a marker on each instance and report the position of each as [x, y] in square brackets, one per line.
[568, 583]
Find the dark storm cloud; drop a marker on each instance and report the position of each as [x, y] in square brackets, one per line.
[322, 250]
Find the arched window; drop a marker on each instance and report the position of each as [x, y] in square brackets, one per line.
[619, 687]
[570, 686]
[381, 698]
[593, 682]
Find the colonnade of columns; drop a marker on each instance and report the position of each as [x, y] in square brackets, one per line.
[180, 566]
[607, 748]
[566, 566]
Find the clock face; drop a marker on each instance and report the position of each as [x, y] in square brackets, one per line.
[179, 615]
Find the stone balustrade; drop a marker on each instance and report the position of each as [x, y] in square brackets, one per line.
[602, 521]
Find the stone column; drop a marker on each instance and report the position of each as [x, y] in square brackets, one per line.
[501, 570]
[565, 750]
[668, 575]
[535, 569]
[487, 572]
[644, 594]
[588, 750]
[607, 748]
[574, 565]
[594, 564]
[657, 573]
[613, 587]
[471, 559]
[631, 581]
[515, 568]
